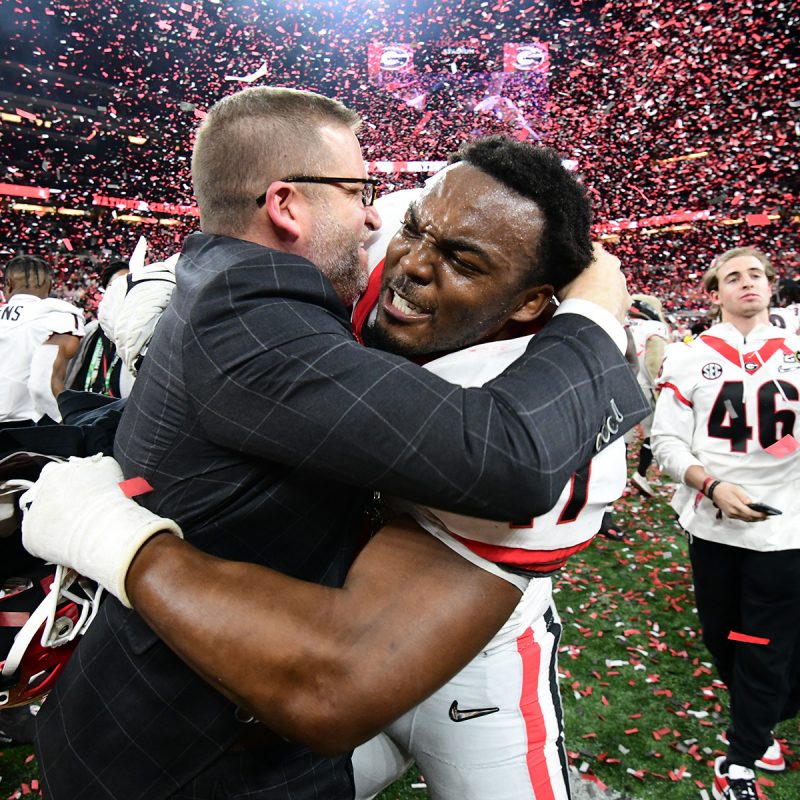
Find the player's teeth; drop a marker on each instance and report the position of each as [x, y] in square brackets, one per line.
[403, 305]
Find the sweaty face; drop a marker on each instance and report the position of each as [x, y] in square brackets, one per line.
[341, 222]
[743, 288]
[459, 269]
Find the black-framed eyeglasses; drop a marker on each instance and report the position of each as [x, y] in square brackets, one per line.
[369, 191]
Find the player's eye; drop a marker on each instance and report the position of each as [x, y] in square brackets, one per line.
[465, 266]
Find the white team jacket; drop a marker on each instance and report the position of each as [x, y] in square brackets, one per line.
[731, 404]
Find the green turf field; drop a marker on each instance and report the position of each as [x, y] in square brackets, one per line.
[642, 709]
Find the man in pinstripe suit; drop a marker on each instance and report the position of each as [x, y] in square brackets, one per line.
[252, 405]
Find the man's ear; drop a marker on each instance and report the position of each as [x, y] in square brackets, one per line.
[286, 210]
[537, 299]
[714, 295]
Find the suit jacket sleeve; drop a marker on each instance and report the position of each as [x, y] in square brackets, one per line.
[284, 380]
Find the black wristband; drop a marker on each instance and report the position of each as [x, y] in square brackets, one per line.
[710, 491]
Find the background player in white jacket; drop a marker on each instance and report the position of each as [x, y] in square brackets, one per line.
[725, 425]
[38, 337]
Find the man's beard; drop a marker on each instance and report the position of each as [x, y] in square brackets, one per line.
[335, 252]
[470, 330]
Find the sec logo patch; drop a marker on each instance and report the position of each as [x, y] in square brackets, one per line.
[711, 371]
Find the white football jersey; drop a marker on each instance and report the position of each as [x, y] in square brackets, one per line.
[642, 330]
[731, 404]
[527, 547]
[787, 318]
[26, 323]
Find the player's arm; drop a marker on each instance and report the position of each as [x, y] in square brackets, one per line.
[67, 345]
[654, 357]
[328, 667]
[48, 370]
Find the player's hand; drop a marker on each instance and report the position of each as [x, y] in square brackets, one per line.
[732, 501]
[603, 283]
[77, 515]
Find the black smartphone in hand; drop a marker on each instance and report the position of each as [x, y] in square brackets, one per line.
[763, 508]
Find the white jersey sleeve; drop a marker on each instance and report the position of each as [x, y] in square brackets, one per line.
[673, 422]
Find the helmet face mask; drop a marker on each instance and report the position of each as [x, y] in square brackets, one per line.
[39, 634]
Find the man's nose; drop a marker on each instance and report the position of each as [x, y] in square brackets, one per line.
[417, 263]
[373, 219]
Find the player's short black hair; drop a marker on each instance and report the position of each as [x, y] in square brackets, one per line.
[789, 291]
[565, 246]
[35, 272]
[109, 271]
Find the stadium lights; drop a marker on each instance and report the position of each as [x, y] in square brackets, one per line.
[72, 212]
[137, 139]
[36, 209]
[17, 119]
[136, 218]
[168, 222]
[731, 221]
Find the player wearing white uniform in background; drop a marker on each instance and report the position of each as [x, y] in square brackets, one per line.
[38, 336]
[651, 333]
[726, 425]
[787, 318]
[787, 314]
[495, 730]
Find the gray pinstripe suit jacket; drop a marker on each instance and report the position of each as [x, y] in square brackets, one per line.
[263, 426]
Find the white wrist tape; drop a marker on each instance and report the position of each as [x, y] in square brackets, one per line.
[77, 515]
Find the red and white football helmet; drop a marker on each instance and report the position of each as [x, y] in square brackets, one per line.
[44, 609]
[37, 644]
